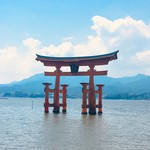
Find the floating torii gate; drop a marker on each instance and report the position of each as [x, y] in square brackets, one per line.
[75, 63]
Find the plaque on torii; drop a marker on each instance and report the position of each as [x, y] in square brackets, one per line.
[74, 63]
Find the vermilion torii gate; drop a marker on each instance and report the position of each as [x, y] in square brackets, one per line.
[75, 63]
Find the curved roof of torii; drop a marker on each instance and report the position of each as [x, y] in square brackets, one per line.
[80, 61]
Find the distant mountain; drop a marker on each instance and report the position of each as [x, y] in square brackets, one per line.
[135, 87]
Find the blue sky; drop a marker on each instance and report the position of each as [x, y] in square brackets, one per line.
[62, 27]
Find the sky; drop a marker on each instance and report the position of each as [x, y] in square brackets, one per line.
[73, 28]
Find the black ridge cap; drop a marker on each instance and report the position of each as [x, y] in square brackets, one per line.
[113, 54]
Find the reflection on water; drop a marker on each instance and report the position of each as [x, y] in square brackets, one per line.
[124, 125]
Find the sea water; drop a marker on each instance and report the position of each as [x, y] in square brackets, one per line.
[124, 125]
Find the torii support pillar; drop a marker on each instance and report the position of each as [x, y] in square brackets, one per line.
[64, 93]
[46, 90]
[56, 91]
[100, 98]
[84, 97]
[92, 98]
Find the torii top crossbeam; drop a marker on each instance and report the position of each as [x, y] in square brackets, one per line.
[79, 61]
[75, 62]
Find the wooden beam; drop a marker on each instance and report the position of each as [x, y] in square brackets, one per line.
[86, 73]
[103, 61]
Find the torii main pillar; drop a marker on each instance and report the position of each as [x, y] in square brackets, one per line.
[56, 91]
[92, 99]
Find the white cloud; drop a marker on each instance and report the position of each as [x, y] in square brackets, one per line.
[143, 58]
[131, 37]
[94, 46]
[68, 38]
[61, 50]
[9, 61]
[124, 26]
[16, 66]
[128, 35]
[31, 43]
